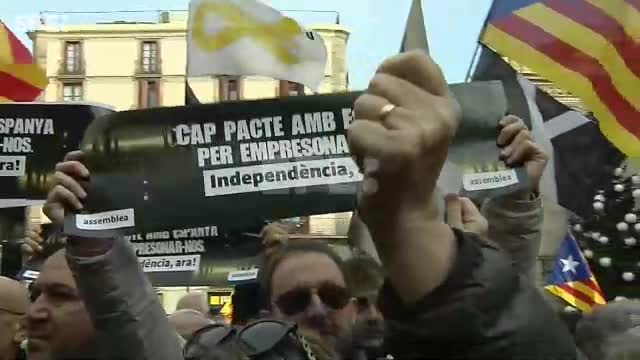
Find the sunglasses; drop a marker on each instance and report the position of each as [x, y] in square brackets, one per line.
[206, 340]
[255, 341]
[298, 300]
[264, 336]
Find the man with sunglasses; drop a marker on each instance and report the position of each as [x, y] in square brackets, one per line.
[305, 282]
[14, 302]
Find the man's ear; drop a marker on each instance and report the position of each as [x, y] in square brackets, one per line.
[20, 332]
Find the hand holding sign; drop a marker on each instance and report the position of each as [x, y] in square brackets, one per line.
[32, 243]
[409, 140]
[402, 149]
[67, 192]
[518, 147]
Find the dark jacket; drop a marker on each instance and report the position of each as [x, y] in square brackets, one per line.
[484, 310]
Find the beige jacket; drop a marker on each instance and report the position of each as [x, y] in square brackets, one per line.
[125, 309]
[516, 226]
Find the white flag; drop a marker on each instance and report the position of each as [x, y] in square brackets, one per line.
[247, 37]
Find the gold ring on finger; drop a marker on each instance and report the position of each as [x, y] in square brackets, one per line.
[386, 110]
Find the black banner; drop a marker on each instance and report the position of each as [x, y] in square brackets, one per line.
[204, 255]
[33, 138]
[240, 163]
[200, 256]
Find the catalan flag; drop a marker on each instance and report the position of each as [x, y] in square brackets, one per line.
[20, 78]
[572, 280]
[590, 48]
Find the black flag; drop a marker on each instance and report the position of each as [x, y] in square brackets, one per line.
[190, 97]
[581, 158]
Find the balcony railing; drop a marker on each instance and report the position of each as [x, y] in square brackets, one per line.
[149, 70]
[76, 70]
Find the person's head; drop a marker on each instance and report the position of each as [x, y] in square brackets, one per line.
[615, 323]
[366, 278]
[196, 300]
[274, 236]
[188, 321]
[14, 302]
[58, 324]
[305, 282]
[622, 347]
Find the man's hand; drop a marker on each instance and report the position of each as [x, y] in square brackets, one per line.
[68, 195]
[403, 150]
[519, 148]
[464, 215]
[404, 125]
[32, 242]
[67, 192]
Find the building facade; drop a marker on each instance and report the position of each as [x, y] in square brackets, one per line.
[130, 65]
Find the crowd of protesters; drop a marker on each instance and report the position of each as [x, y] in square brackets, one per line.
[418, 288]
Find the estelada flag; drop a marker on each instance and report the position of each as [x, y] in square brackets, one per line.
[20, 78]
[247, 37]
[590, 48]
[572, 280]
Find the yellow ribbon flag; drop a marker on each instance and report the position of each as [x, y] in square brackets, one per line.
[273, 37]
[232, 37]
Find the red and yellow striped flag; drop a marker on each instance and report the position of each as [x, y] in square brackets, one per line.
[20, 78]
[590, 48]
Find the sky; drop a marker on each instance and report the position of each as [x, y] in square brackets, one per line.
[376, 26]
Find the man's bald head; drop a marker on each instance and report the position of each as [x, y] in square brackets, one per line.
[14, 303]
[14, 297]
[58, 323]
[195, 301]
[188, 321]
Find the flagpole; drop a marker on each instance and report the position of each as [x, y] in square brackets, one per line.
[474, 60]
[478, 44]
[190, 97]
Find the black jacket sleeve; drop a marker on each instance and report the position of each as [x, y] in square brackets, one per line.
[10, 259]
[484, 310]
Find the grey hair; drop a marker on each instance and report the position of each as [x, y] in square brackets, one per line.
[614, 323]
[622, 347]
